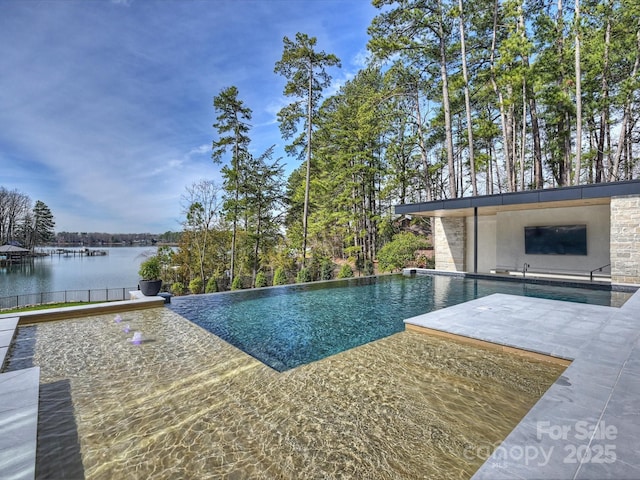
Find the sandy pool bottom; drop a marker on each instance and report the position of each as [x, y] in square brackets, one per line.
[185, 404]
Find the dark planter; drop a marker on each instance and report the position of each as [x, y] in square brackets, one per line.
[150, 288]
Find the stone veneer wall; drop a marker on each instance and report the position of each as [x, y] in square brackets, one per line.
[449, 243]
[625, 239]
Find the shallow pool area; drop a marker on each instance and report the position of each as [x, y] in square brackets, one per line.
[186, 404]
[285, 327]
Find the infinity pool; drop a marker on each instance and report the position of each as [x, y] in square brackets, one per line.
[285, 327]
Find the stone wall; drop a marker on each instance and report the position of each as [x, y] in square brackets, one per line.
[449, 242]
[625, 239]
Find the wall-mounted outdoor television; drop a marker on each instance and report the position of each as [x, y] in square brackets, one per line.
[556, 240]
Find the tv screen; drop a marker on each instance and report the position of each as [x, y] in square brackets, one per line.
[556, 240]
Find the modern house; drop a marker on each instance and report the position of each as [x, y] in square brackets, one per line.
[565, 231]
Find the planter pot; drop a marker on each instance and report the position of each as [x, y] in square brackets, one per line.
[150, 288]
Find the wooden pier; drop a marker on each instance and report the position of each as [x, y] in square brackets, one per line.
[83, 252]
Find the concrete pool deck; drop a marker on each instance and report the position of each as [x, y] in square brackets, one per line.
[587, 425]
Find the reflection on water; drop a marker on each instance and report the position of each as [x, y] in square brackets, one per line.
[188, 405]
[59, 272]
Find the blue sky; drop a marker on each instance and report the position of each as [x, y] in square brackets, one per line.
[106, 106]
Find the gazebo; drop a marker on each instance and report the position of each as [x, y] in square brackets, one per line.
[12, 254]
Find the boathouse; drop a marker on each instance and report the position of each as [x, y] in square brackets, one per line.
[10, 254]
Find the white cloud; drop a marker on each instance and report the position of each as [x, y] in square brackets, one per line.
[362, 59]
[202, 149]
[106, 113]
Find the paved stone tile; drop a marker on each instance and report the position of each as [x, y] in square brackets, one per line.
[528, 449]
[19, 421]
[617, 470]
[9, 323]
[3, 355]
[5, 337]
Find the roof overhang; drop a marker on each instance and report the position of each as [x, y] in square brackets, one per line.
[581, 195]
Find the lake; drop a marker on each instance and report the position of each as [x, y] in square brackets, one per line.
[53, 273]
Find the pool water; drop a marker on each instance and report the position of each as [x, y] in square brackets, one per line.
[285, 327]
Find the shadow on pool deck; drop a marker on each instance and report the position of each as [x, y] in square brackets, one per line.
[58, 452]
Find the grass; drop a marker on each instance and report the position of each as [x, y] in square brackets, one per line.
[47, 306]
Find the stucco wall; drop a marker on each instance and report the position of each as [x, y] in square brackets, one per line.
[510, 238]
[486, 243]
[625, 239]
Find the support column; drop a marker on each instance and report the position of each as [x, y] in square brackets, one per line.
[625, 239]
[475, 239]
[449, 243]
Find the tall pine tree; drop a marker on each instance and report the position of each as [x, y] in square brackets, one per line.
[305, 71]
[43, 225]
[233, 128]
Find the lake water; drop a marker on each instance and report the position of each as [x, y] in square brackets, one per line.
[53, 273]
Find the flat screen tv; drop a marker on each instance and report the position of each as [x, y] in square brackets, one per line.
[556, 240]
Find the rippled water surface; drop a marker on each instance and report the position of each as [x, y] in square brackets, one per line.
[289, 326]
[186, 404]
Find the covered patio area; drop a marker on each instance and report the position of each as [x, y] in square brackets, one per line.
[592, 231]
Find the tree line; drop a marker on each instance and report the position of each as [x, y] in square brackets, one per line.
[22, 222]
[28, 224]
[458, 99]
[115, 239]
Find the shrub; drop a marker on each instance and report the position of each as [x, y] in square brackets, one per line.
[237, 283]
[195, 285]
[212, 285]
[279, 277]
[261, 280]
[326, 269]
[304, 275]
[368, 267]
[177, 288]
[150, 269]
[345, 271]
[400, 251]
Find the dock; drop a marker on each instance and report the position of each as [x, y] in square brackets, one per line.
[83, 252]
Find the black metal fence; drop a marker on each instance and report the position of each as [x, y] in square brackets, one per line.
[66, 296]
